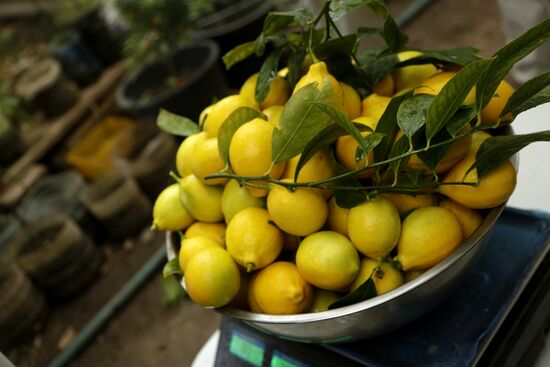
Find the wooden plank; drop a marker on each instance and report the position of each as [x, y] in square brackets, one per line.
[61, 126]
[11, 194]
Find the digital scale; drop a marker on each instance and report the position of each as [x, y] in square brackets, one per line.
[497, 317]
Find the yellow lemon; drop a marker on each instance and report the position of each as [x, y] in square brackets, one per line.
[299, 212]
[327, 260]
[273, 114]
[252, 304]
[212, 277]
[186, 150]
[319, 167]
[252, 239]
[236, 198]
[374, 227]
[346, 147]
[478, 137]
[386, 280]
[322, 299]
[434, 84]
[202, 201]
[384, 87]
[250, 152]
[207, 160]
[491, 112]
[222, 109]
[278, 92]
[469, 219]
[318, 73]
[352, 101]
[214, 231]
[428, 235]
[191, 246]
[405, 203]
[491, 191]
[337, 217]
[168, 213]
[375, 105]
[411, 76]
[279, 289]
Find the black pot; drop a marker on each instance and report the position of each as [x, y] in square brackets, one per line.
[10, 142]
[236, 24]
[205, 81]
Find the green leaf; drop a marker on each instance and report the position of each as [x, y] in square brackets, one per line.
[259, 45]
[506, 57]
[175, 124]
[458, 56]
[348, 198]
[336, 46]
[237, 54]
[369, 143]
[235, 120]
[323, 139]
[173, 291]
[395, 39]
[526, 91]
[367, 290]
[280, 20]
[541, 97]
[434, 155]
[295, 62]
[460, 119]
[172, 267]
[496, 150]
[300, 121]
[387, 125]
[363, 32]
[411, 114]
[339, 8]
[451, 97]
[268, 72]
[379, 68]
[400, 147]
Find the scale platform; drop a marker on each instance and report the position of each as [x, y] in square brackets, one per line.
[497, 317]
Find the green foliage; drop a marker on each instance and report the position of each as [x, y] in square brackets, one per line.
[176, 125]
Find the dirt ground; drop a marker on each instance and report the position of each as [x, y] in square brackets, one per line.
[146, 333]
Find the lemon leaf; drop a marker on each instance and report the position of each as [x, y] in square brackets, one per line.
[434, 155]
[452, 95]
[369, 142]
[462, 117]
[339, 8]
[300, 121]
[172, 267]
[235, 120]
[496, 150]
[295, 61]
[176, 124]
[541, 97]
[348, 198]
[395, 39]
[377, 69]
[519, 99]
[238, 54]
[458, 56]
[411, 114]
[336, 46]
[280, 20]
[367, 290]
[401, 146]
[268, 72]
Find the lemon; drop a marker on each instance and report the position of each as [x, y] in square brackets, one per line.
[236, 198]
[384, 87]
[374, 227]
[299, 212]
[319, 167]
[428, 235]
[434, 84]
[491, 112]
[186, 150]
[252, 304]
[278, 92]
[214, 231]
[491, 191]
[222, 109]
[458, 150]
[318, 73]
[168, 213]
[192, 246]
[273, 114]
[202, 201]
[212, 277]
[411, 76]
[279, 289]
[337, 217]
[327, 260]
[250, 152]
[252, 239]
[206, 160]
[375, 105]
[352, 101]
[469, 219]
[405, 203]
[477, 138]
[346, 146]
[322, 299]
[388, 279]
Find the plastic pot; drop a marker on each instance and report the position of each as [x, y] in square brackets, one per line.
[204, 81]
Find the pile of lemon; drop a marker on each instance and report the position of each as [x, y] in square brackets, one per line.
[272, 250]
